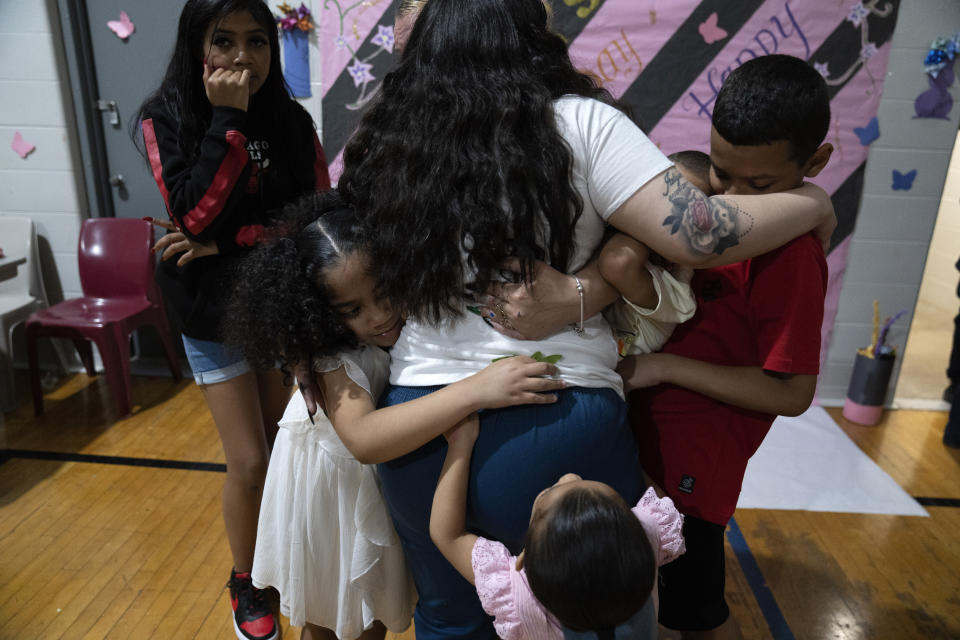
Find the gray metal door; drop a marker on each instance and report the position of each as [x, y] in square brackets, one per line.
[110, 77]
[126, 71]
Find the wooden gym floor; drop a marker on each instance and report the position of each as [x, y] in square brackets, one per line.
[112, 529]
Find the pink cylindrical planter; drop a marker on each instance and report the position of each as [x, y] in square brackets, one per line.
[868, 388]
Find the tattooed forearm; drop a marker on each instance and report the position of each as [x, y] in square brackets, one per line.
[710, 225]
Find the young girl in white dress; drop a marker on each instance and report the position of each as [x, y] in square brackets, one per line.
[325, 539]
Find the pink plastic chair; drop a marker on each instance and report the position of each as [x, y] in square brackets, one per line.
[119, 296]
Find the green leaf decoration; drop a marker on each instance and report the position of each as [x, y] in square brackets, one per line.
[538, 356]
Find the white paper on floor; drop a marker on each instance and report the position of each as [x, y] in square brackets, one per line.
[809, 463]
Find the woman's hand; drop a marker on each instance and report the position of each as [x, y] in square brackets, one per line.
[512, 381]
[464, 434]
[227, 88]
[533, 310]
[177, 242]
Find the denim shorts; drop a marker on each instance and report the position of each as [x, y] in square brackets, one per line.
[213, 362]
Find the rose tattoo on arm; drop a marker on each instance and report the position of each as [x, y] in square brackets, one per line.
[710, 225]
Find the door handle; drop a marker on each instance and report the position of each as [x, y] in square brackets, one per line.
[116, 180]
[111, 106]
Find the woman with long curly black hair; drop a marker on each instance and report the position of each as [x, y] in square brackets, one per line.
[228, 146]
[485, 143]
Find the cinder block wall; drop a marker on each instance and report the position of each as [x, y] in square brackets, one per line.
[44, 186]
[892, 236]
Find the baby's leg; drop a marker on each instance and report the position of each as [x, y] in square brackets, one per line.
[622, 263]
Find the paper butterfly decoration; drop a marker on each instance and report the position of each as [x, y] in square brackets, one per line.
[709, 30]
[936, 101]
[869, 132]
[903, 181]
[122, 27]
[21, 146]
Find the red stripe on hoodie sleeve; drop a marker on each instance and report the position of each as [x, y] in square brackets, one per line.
[211, 204]
[153, 155]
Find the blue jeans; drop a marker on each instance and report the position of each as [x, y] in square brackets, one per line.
[520, 451]
[213, 362]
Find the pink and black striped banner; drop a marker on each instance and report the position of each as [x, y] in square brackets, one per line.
[667, 59]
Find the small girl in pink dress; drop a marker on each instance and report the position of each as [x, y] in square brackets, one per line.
[589, 562]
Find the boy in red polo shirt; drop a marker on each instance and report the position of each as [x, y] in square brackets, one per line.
[751, 351]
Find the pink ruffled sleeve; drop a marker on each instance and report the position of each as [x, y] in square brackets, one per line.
[663, 524]
[491, 573]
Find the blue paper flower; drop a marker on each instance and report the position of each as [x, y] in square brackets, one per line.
[942, 51]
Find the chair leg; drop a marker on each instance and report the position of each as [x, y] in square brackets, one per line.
[7, 395]
[61, 355]
[33, 358]
[162, 328]
[85, 351]
[115, 352]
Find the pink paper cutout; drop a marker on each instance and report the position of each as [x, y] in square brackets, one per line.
[709, 30]
[122, 27]
[21, 146]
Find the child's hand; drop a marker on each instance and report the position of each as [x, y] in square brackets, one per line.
[464, 433]
[176, 242]
[641, 371]
[513, 381]
[227, 88]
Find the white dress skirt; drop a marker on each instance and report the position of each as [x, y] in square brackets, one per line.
[325, 539]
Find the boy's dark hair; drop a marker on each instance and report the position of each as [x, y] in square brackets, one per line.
[279, 310]
[697, 161]
[589, 561]
[774, 98]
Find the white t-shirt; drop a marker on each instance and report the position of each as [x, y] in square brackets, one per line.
[612, 159]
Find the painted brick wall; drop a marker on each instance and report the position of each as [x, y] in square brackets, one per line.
[893, 231]
[939, 276]
[32, 101]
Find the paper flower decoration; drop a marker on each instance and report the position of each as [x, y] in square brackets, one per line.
[299, 18]
[360, 72]
[942, 51]
[384, 37]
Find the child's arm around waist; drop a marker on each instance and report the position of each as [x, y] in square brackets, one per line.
[785, 329]
[753, 388]
[377, 435]
[448, 515]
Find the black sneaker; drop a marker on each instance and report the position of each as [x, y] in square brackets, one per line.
[252, 617]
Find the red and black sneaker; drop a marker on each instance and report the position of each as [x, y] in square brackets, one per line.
[252, 618]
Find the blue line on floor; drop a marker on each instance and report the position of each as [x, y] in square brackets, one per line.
[779, 628]
[187, 465]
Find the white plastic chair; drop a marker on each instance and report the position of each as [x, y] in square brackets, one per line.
[19, 297]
